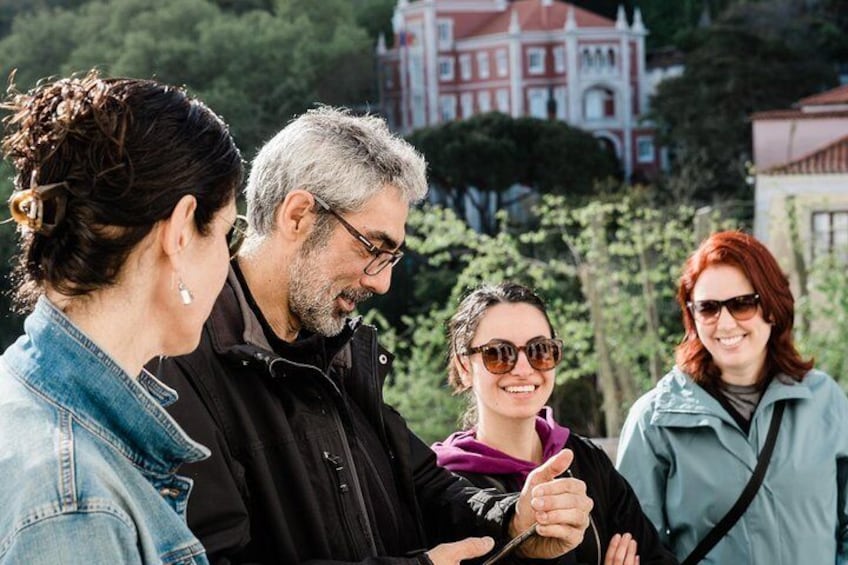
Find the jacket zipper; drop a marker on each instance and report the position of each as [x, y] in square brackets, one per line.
[342, 489]
[357, 488]
[364, 520]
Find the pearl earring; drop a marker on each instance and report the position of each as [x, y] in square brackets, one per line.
[185, 294]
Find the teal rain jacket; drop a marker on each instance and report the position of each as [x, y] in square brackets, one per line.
[688, 461]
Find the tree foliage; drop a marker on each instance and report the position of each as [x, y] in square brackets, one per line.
[478, 159]
[822, 320]
[256, 67]
[738, 66]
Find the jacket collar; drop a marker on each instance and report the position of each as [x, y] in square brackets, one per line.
[235, 331]
[679, 398]
[65, 367]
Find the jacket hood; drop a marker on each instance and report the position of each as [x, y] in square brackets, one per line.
[461, 452]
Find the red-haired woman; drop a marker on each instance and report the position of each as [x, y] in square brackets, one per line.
[691, 445]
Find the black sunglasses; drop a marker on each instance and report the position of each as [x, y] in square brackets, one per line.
[500, 356]
[236, 235]
[382, 258]
[742, 308]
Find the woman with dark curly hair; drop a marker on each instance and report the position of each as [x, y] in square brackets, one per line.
[125, 199]
[742, 412]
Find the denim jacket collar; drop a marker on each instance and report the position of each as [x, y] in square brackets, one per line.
[59, 362]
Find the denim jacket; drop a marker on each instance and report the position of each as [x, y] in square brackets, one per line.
[88, 456]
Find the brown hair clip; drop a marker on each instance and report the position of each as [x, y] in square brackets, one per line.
[40, 208]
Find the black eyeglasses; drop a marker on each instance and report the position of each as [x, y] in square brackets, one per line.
[500, 356]
[382, 258]
[743, 307]
[236, 235]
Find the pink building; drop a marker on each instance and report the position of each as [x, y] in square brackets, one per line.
[452, 59]
[801, 160]
[781, 136]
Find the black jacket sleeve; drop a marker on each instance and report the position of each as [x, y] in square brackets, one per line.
[453, 508]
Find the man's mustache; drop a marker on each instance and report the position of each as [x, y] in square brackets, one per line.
[356, 296]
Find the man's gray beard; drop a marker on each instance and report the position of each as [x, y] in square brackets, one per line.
[311, 299]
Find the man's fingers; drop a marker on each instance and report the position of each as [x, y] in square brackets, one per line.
[453, 553]
[552, 468]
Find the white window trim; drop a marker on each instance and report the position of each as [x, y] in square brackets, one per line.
[533, 69]
[447, 100]
[818, 247]
[445, 44]
[483, 65]
[559, 59]
[502, 93]
[644, 159]
[502, 56]
[487, 96]
[466, 103]
[534, 94]
[465, 66]
[449, 75]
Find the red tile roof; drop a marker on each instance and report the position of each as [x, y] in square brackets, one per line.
[838, 95]
[830, 159]
[798, 115]
[532, 16]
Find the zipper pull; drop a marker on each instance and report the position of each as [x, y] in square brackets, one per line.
[336, 462]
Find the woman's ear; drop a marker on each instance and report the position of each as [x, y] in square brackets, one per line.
[463, 372]
[178, 229]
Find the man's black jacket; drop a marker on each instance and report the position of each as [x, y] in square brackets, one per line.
[309, 465]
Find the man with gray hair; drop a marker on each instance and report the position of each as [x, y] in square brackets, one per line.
[308, 464]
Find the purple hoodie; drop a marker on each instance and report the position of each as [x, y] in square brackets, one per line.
[461, 452]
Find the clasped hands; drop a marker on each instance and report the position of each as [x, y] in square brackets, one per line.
[559, 507]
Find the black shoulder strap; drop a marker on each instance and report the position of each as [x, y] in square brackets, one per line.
[719, 530]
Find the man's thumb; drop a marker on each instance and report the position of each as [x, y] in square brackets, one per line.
[552, 468]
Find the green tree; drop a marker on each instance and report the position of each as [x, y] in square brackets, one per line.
[492, 152]
[257, 68]
[704, 114]
[826, 310]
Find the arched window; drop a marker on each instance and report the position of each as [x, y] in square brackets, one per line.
[611, 58]
[599, 59]
[587, 59]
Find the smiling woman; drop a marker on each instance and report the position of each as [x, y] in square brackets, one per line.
[689, 446]
[504, 354]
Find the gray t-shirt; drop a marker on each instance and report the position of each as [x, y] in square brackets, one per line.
[744, 398]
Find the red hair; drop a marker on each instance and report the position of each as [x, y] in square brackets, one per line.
[747, 254]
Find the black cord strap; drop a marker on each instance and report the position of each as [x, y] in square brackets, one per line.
[720, 530]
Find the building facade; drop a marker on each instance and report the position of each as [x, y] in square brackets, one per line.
[452, 59]
[801, 159]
